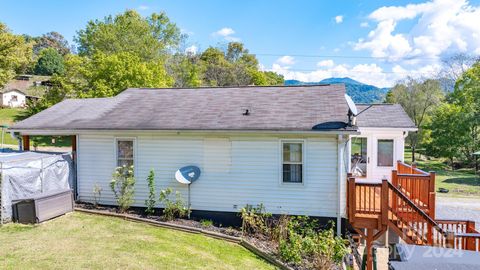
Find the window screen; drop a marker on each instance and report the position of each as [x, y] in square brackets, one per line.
[385, 153]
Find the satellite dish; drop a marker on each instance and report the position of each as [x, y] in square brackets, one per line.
[351, 105]
[187, 175]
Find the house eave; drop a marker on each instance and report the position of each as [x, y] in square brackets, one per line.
[177, 132]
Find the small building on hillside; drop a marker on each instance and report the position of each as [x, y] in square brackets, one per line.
[15, 98]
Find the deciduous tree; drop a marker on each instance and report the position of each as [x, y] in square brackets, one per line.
[419, 99]
[49, 62]
[15, 54]
[149, 38]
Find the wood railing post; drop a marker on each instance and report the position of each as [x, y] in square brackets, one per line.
[395, 184]
[470, 241]
[352, 204]
[450, 241]
[384, 202]
[431, 196]
[412, 168]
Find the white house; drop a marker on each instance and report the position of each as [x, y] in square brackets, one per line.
[285, 147]
[13, 98]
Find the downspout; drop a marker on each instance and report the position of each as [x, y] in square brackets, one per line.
[339, 183]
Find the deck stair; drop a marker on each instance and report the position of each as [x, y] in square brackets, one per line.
[405, 205]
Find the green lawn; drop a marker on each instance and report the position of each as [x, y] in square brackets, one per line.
[461, 182]
[82, 241]
[7, 117]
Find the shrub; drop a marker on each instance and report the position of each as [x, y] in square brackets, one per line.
[254, 220]
[304, 244]
[122, 185]
[150, 202]
[206, 222]
[97, 192]
[173, 208]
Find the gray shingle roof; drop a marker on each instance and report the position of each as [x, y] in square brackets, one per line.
[280, 108]
[383, 115]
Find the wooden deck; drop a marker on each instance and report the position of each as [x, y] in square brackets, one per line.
[407, 206]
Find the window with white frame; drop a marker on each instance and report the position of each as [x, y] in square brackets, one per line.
[385, 153]
[125, 152]
[292, 162]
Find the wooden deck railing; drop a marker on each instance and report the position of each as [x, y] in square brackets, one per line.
[389, 205]
[466, 236]
[417, 185]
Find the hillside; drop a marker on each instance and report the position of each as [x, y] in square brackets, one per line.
[360, 92]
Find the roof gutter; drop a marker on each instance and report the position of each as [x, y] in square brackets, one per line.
[176, 132]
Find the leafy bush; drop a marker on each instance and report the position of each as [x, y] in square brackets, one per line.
[254, 220]
[173, 208]
[206, 222]
[97, 192]
[305, 244]
[150, 202]
[122, 185]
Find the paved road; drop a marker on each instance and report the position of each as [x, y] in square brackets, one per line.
[459, 208]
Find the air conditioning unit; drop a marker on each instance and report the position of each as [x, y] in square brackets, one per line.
[38, 208]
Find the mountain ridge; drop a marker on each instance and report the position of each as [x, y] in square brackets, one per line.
[360, 92]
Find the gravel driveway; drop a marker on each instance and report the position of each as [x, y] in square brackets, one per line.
[459, 208]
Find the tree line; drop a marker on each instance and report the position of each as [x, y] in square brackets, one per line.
[122, 51]
[446, 111]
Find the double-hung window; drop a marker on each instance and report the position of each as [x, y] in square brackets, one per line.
[125, 152]
[292, 164]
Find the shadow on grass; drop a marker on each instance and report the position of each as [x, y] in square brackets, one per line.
[470, 181]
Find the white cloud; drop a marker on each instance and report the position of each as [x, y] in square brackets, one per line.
[339, 19]
[286, 60]
[226, 33]
[326, 63]
[143, 7]
[364, 25]
[366, 73]
[192, 49]
[439, 28]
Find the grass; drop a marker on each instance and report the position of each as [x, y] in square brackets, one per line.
[460, 183]
[82, 241]
[7, 117]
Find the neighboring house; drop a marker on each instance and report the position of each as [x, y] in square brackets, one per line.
[287, 148]
[13, 98]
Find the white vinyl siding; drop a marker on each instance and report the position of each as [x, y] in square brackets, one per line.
[235, 171]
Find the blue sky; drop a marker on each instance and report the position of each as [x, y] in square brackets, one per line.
[376, 42]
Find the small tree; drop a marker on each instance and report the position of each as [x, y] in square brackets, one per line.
[97, 192]
[173, 208]
[150, 202]
[122, 185]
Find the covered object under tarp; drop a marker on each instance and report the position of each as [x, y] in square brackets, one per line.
[24, 174]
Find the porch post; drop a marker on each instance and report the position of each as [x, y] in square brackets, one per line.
[369, 250]
[74, 161]
[26, 142]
